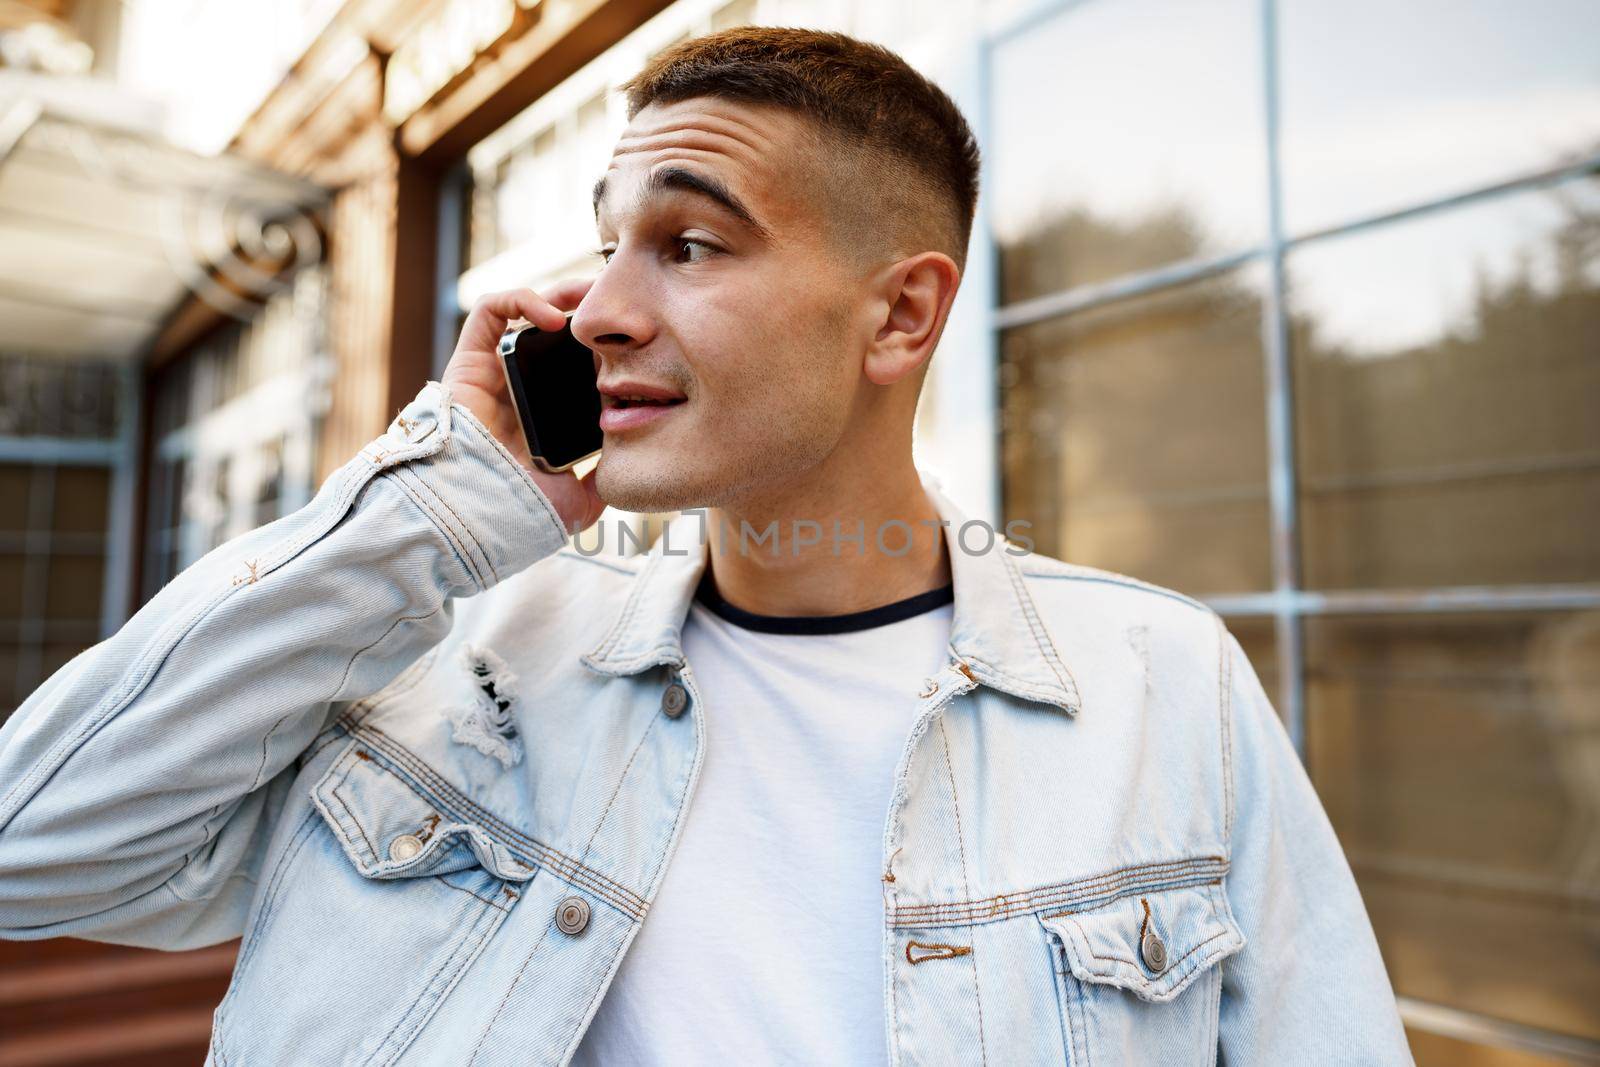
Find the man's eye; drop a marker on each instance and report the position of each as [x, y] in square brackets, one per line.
[683, 247]
[682, 244]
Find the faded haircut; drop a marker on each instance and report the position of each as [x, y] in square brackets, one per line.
[900, 162]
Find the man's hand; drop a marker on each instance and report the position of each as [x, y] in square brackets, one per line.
[478, 384]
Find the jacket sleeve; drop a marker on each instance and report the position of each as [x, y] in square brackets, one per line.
[139, 785]
[1309, 985]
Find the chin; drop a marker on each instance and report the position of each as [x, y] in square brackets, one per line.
[645, 483]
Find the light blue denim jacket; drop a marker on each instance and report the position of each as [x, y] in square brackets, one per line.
[431, 765]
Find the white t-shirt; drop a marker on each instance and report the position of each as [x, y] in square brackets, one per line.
[765, 940]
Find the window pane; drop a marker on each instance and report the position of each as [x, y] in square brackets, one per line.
[1386, 105]
[15, 482]
[74, 587]
[1459, 759]
[1135, 440]
[1447, 387]
[82, 500]
[12, 568]
[14, 688]
[1126, 136]
[49, 397]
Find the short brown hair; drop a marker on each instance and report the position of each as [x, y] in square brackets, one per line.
[915, 159]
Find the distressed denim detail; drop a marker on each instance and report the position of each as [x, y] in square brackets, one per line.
[488, 720]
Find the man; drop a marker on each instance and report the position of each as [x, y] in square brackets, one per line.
[833, 774]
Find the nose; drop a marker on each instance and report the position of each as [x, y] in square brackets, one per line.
[615, 314]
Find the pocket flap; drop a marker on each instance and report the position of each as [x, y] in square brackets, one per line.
[1153, 943]
[391, 827]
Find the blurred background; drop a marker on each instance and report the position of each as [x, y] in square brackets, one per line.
[1292, 305]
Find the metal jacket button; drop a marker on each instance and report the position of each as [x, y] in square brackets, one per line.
[572, 915]
[674, 700]
[1153, 951]
[404, 847]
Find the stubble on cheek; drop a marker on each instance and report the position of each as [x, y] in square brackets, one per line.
[772, 412]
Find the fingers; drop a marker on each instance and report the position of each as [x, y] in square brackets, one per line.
[520, 304]
[567, 295]
[546, 310]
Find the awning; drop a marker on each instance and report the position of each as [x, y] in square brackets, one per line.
[105, 229]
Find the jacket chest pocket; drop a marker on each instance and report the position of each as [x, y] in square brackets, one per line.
[371, 913]
[1139, 978]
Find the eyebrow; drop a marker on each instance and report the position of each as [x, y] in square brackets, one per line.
[677, 178]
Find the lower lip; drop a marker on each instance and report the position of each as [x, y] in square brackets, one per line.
[615, 420]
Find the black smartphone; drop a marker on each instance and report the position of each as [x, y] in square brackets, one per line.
[551, 376]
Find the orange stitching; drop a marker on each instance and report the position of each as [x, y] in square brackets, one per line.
[450, 533]
[1082, 883]
[345, 804]
[567, 864]
[470, 533]
[1120, 894]
[938, 951]
[509, 990]
[1113, 881]
[253, 578]
[1041, 636]
[473, 810]
[470, 893]
[944, 738]
[404, 757]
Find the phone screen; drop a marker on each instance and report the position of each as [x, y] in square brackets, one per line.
[551, 376]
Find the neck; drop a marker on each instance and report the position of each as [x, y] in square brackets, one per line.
[783, 557]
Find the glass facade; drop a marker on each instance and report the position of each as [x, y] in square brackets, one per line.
[1299, 313]
[1133, 434]
[1459, 757]
[1129, 133]
[1446, 389]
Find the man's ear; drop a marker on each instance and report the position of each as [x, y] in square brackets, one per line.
[918, 292]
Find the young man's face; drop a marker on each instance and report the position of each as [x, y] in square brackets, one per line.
[745, 311]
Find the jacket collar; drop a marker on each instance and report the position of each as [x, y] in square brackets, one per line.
[995, 627]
